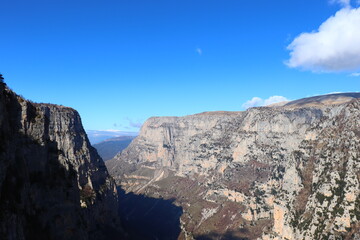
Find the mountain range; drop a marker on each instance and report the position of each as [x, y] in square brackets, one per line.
[108, 148]
[97, 136]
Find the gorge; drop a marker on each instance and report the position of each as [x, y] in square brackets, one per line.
[288, 171]
[285, 171]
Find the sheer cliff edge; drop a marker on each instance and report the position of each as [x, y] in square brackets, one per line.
[53, 184]
[290, 171]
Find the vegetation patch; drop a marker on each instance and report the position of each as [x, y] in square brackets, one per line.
[87, 195]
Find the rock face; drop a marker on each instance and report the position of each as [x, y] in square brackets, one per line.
[281, 172]
[53, 183]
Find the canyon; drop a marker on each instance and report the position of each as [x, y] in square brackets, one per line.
[287, 171]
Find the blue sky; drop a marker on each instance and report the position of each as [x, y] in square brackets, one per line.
[119, 62]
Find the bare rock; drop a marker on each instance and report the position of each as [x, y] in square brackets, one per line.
[280, 172]
[53, 183]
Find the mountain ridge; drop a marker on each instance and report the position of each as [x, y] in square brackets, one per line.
[108, 148]
[321, 100]
[263, 173]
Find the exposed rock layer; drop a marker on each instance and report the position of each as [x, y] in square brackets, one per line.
[53, 183]
[282, 172]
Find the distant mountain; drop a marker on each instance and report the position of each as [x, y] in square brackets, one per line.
[97, 136]
[109, 148]
[322, 100]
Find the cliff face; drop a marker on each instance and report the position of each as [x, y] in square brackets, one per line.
[282, 172]
[53, 183]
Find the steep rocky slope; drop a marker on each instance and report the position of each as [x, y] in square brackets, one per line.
[53, 184]
[281, 172]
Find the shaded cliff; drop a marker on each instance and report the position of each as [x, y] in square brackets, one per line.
[281, 172]
[146, 218]
[53, 184]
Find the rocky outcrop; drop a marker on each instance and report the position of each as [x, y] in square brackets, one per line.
[53, 184]
[280, 172]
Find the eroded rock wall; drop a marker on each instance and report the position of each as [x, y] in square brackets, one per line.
[53, 184]
[289, 172]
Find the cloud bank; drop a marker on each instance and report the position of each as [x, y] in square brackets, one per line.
[334, 47]
[257, 102]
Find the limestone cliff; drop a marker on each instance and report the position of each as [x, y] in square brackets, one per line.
[53, 184]
[281, 172]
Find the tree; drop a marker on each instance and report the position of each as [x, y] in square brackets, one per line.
[1, 78]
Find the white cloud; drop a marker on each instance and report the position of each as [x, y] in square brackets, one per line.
[254, 102]
[334, 47]
[112, 130]
[345, 3]
[275, 99]
[199, 51]
[357, 74]
[257, 102]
